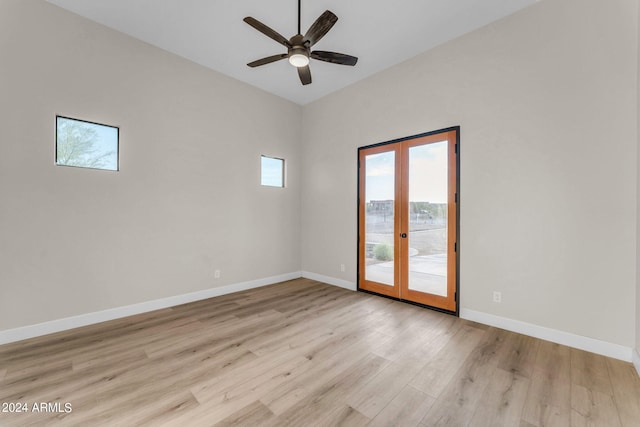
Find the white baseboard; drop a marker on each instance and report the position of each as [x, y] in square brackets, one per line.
[25, 332]
[636, 359]
[572, 340]
[330, 280]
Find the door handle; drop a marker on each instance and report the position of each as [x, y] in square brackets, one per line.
[403, 235]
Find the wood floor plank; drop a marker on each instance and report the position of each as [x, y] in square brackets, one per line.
[292, 334]
[73, 384]
[520, 356]
[339, 304]
[590, 371]
[67, 340]
[459, 400]
[405, 344]
[548, 401]
[143, 412]
[439, 371]
[341, 416]
[329, 364]
[206, 308]
[250, 331]
[373, 396]
[17, 386]
[407, 409]
[254, 414]
[258, 366]
[282, 302]
[393, 323]
[89, 345]
[283, 289]
[224, 402]
[626, 391]
[219, 334]
[321, 401]
[88, 361]
[502, 401]
[305, 353]
[147, 385]
[591, 408]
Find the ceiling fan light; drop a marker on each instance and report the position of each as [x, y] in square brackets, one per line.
[299, 60]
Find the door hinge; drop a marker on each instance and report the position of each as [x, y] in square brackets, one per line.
[455, 247]
[456, 148]
[456, 198]
[455, 297]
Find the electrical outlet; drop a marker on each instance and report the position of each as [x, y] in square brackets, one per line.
[497, 297]
[342, 267]
[216, 274]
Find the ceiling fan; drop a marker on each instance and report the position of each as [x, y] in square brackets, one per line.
[299, 46]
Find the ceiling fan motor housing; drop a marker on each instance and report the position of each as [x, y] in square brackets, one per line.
[298, 52]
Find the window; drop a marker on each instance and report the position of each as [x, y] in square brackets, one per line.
[85, 144]
[272, 171]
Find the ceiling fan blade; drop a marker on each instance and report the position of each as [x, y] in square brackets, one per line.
[305, 75]
[321, 27]
[267, 60]
[334, 58]
[269, 32]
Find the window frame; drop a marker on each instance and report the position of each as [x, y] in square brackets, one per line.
[117, 144]
[283, 171]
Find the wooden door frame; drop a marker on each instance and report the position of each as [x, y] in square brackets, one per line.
[454, 208]
[390, 291]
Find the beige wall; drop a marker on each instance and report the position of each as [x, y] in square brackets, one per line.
[638, 217]
[548, 162]
[187, 199]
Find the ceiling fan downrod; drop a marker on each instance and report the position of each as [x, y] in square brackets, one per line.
[299, 30]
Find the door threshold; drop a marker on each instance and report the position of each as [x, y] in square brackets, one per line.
[406, 301]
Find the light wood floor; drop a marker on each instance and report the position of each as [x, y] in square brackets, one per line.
[302, 353]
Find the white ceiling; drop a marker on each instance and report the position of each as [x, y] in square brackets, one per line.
[211, 33]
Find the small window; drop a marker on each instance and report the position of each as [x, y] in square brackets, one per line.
[86, 145]
[272, 171]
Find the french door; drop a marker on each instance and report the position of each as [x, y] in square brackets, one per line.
[408, 219]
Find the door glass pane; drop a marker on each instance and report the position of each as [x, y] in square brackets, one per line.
[428, 190]
[379, 215]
